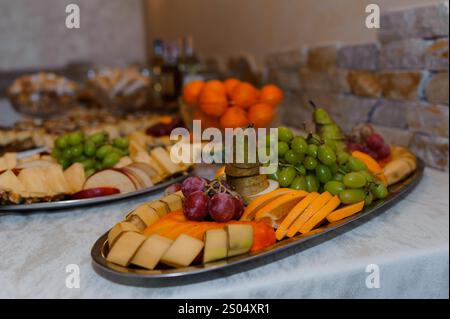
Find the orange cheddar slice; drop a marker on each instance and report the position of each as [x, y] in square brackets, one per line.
[293, 214]
[318, 217]
[317, 204]
[277, 209]
[258, 203]
[345, 212]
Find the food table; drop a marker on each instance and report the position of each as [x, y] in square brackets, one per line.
[409, 243]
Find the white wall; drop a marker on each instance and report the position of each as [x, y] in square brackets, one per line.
[33, 33]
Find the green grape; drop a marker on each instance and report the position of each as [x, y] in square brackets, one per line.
[118, 151]
[380, 191]
[77, 150]
[352, 196]
[356, 165]
[75, 138]
[291, 157]
[98, 138]
[368, 200]
[62, 142]
[121, 142]
[286, 176]
[285, 134]
[323, 173]
[56, 153]
[334, 168]
[110, 160]
[98, 166]
[338, 177]
[369, 178]
[283, 147]
[314, 139]
[334, 187]
[354, 180]
[89, 148]
[299, 145]
[103, 151]
[89, 163]
[67, 153]
[312, 150]
[79, 159]
[331, 143]
[312, 183]
[310, 163]
[274, 176]
[299, 183]
[88, 172]
[326, 155]
[342, 157]
[65, 163]
[301, 169]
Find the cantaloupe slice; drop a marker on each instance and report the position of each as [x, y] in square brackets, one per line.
[124, 248]
[318, 217]
[277, 209]
[258, 203]
[161, 208]
[34, 180]
[147, 214]
[75, 176]
[345, 212]
[10, 182]
[56, 181]
[317, 204]
[293, 215]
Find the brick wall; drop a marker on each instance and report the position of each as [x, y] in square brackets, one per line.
[399, 84]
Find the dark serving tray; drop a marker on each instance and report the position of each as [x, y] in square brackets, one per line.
[226, 267]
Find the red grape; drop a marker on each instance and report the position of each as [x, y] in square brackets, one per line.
[366, 130]
[172, 189]
[195, 206]
[375, 141]
[370, 152]
[222, 207]
[384, 151]
[355, 147]
[193, 184]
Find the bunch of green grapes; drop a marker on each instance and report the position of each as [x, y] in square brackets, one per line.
[314, 164]
[95, 152]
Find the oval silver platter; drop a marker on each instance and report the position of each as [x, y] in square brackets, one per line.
[72, 203]
[181, 276]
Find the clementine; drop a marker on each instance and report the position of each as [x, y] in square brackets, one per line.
[213, 103]
[230, 84]
[207, 121]
[271, 94]
[216, 85]
[192, 91]
[244, 95]
[261, 114]
[234, 117]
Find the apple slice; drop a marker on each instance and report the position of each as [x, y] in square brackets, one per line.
[111, 178]
[149, 170]
[75, 176]
[141, 174]
[133, 176]
[95, 192]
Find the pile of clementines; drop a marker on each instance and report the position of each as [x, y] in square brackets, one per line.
[232, 103]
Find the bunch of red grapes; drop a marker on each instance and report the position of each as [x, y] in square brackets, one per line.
[214, 200]
[365, 139]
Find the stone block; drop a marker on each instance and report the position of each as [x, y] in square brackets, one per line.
[364, 83]
[432, 149]
[418, 22]
[322, 57]
[390, 113]
[329, 81]
[288, 59]
[358, 57]
[428, 118]
[436, 89]
[403, 85]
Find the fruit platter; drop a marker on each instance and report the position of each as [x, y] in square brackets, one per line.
[83, 169]
[203, 229]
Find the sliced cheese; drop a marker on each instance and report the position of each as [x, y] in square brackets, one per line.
[34, 180]
[119, 229]
[162, 157]
[56, 180]
[150, 252]
[173, 202]
[160, 208]
[75, 176]
[124, 248]
[183, 251]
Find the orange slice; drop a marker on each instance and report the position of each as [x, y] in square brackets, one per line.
[318, 217]
[293, 214]
[278, 208]
[317, 204]
[345, 212]
[257, 204]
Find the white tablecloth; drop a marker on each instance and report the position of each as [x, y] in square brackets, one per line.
[409, 243]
